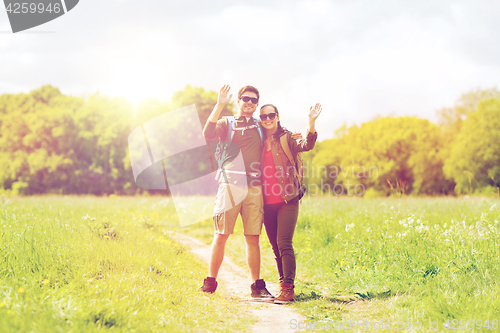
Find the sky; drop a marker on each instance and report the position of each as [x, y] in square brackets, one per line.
[359, 59]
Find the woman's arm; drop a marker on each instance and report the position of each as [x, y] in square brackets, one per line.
[313, 115]
[307, 143]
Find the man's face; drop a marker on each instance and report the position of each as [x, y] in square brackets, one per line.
[248, 108]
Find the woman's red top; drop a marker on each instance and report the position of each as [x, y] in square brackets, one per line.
[270, 187]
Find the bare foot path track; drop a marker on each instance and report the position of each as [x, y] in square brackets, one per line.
[234, 279]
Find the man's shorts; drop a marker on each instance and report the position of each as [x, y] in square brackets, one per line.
[250, 205]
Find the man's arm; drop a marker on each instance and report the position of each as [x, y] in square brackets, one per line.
[210, 131]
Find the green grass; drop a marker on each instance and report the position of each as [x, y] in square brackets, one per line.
[415, 258]
[393, 259]
[85, 264]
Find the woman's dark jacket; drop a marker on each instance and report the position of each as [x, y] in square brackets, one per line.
[285, 173]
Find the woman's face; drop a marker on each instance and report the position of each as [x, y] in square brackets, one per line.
[269, 124]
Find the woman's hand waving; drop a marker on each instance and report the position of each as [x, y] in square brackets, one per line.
[314, 112]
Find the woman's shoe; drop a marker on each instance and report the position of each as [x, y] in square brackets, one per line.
[286, 293]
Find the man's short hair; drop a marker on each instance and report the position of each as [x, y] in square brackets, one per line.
[248, 88]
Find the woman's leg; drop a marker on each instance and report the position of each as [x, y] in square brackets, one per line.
[287, 220]
[271, 224]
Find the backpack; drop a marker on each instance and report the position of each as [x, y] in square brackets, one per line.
[221, 155]
[231, 128]
[298, 166]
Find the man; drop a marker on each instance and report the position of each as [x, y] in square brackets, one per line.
[248, 138]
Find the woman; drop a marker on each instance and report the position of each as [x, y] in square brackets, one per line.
[280, 189]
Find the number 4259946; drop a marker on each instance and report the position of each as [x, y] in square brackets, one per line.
[23, 8]
[454, 324]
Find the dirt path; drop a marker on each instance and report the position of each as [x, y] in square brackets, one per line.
[234, 279]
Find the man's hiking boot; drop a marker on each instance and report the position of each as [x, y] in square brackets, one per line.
[286, 293]
[259, 290]
[209, 285]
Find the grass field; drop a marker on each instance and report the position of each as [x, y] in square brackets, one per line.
[397, 260]
[84, 264]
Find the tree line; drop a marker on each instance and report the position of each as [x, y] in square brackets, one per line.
[409, 155]
[55, 143]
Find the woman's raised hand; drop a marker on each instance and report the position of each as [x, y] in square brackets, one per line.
[314, 112]
[223, 98]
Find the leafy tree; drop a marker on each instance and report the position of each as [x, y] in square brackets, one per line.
[204, 101]
[474, 160]
[103, 126]
[451, 119]
[50, 142]
[388, 153]
[37, 139]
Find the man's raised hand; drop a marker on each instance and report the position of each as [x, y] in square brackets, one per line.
[223, 98]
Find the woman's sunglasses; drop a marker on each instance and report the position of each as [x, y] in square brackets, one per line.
[247, 99]
[271, 116]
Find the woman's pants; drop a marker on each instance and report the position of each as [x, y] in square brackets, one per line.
[280, 220]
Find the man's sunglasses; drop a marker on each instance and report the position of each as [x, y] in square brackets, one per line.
[271, 116]
[247, 99]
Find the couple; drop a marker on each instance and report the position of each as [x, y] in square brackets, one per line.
[272, 196]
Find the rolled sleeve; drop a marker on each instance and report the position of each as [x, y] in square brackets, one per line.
[215, 131]
[304, 144]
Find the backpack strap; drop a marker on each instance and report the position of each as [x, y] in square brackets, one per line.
[288, 153]
[230, 126]
[286, 148]
[259, 129]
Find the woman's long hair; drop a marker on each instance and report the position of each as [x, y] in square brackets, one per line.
[280, 129]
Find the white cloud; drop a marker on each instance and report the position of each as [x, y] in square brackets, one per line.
[358, 58]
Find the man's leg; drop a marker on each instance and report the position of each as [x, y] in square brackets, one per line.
[224, 219]
[253, 256]
[252, 215]
[217, 254]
